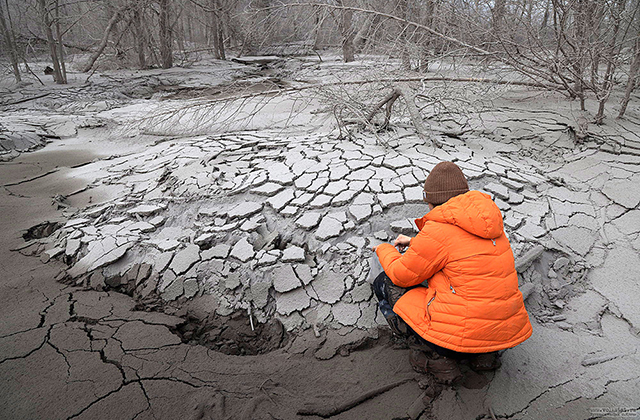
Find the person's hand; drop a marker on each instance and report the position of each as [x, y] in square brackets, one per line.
[401, 242]
[374, 244]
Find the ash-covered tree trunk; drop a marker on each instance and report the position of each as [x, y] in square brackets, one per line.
[104, 41]
[166, 42]
[9, 45]
[53, 49]
[362, 35]
[346, 29]
[633, 75]
[316, 27]
[425, 44]
[499, 11]
[216, 36]
[583, 21]
[610, 55]
[63, 67]
[403, 9]
[545, 17]
[139, 37]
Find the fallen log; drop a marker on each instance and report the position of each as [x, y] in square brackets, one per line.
[388, 81]
[66, 44]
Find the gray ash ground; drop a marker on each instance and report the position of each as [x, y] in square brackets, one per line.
[167, 248]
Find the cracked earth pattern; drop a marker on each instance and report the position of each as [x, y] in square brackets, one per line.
[279, 227]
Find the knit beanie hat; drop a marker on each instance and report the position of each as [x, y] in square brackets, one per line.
[444, 182]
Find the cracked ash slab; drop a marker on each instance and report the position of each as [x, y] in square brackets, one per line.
[304, 259]
[312, 180]
[192, 223]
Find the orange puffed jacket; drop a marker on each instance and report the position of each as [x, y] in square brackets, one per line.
[472, 303]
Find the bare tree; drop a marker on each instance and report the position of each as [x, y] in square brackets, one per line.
[632, 80]
[403, 10]
[318, 20]
[166, 39]
[578, 47]
[215, 30]
[58, 74]
[499, 11]
[139, 36]
[428, 18]
[610, 55]
[10, 45]
[581, 51]
[60, 45]
[105, 38]
[345, 25]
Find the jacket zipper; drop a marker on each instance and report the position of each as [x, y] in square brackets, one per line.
[429, 304]
[450, 286]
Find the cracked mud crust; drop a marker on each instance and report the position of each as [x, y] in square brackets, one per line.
[226, 275]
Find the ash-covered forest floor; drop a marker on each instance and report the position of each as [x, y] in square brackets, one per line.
[176, 245]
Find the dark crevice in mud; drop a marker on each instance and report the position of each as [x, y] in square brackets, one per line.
[237, 334]
[25, 356]
[549, 389]
[41, 230]
[84, 319]
[72, 304]
[280, 242]
[42, 320]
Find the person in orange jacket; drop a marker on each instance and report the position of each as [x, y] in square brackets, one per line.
[471, 306]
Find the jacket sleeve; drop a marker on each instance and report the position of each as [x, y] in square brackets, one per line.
[425, 257]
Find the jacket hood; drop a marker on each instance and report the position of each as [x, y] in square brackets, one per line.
[474, 212]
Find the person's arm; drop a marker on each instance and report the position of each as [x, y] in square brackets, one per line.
[425, 257]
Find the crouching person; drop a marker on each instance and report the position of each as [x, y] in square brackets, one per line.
[472, 306]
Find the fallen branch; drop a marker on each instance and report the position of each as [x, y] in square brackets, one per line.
[414, 113]
[390, 80]
[418, 123]
[27, 99]
[325, 410]
[388, 101]
[26, 66]
[66, 44]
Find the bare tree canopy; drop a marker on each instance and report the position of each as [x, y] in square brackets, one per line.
[581, 48]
